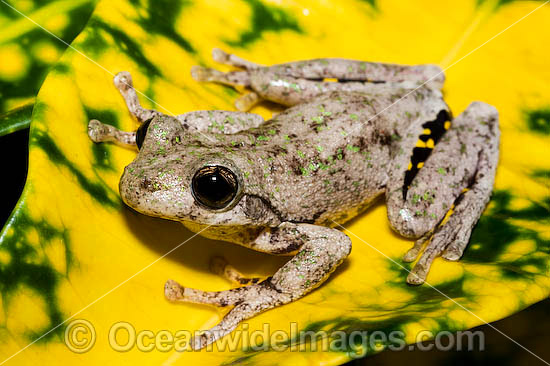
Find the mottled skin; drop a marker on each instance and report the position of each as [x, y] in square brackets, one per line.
[313, 167]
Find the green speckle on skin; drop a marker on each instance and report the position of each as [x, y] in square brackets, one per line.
[262, 138]
[352, 148]
[300, 154]
[428, 197]
[353, 116]
[323, 111]
[319, 148]
[441, 171]
[295, 86]
[395, 137]
[318, 119]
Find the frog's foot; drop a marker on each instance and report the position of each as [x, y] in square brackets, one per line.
[100, 132]
[123, 82]
[248, 301]
[219, 266]
[449, 241]
[465, 182]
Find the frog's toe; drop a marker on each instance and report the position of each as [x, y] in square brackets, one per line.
[247, 101]
[449, 241]
[97, 130]
[220, 56]
[123, 81]
[412, 253]
[200, 73]
[173, 291]
[454, 251]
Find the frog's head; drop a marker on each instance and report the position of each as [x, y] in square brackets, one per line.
[178, 176]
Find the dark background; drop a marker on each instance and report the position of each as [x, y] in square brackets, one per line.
[530, 327]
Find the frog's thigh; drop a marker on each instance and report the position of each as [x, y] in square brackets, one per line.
[290, 91]
[226, 122]
[353, 70]
[465, 158]
[321, 250]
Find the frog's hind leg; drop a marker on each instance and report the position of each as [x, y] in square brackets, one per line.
[460, 171]
[123, 82]
[299, 82]
[219, 266]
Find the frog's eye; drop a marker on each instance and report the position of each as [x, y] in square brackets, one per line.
[141, 132]
[214, 186]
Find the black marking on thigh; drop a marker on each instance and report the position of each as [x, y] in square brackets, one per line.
[270, 285]
[421, 154]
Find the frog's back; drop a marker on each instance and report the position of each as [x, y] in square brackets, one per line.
[327, 159]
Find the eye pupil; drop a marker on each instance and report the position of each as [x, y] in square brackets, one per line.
[214, 186]
[141, 132]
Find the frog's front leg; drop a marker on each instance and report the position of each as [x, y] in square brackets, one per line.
[226, 122]
[123, 82]
[218, 121]
[461, 171]
[319, 251]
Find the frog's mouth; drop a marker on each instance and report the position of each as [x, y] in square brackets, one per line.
[240, 234]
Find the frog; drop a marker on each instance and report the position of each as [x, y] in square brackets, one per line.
[351, 132]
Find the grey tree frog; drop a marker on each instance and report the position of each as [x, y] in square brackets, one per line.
[353, 131]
